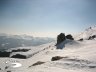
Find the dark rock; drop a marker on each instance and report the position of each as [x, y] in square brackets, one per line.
[21, 50]
[92, 66]
[56, 58]
[4, 54]
[8, 71]
[69, 37]
[19, 56]
[38, 63]
[92, 37]
[60, 38]
[6, 67]
[80, 39]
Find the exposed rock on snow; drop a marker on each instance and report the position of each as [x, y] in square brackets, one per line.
[80, 39]
[92, 37]
[37, 63]
[4, 54]
[8, 53]
[21, 50]
[69, 36]
[19, 56]
[60, 38]
[56, 58]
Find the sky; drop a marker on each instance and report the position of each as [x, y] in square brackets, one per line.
[46, 18]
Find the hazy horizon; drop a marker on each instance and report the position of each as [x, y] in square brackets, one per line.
[46, 18]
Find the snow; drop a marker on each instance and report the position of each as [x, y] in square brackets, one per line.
[78, 56]
[87, 33]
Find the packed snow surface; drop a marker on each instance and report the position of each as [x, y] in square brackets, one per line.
[76, 57]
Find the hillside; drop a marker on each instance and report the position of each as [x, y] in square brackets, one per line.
[86, 33]
[75, 56]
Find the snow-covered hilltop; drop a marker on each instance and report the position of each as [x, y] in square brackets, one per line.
[75, 56]
[87, 33]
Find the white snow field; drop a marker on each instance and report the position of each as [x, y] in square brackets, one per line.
[76, 56]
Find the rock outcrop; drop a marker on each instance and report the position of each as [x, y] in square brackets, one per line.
[80, 39]
[69, 36]
[4, 54]
[19, 56]
[60, 38]
[21, 50]
[92, 37]
[56, 58]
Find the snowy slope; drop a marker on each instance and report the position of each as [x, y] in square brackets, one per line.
[87, 33]
[77, 56]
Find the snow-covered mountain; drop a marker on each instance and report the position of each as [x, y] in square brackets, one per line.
[75, 56]
[87, 33]
[13, 41]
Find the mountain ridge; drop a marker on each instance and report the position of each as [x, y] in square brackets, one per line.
[86, 33]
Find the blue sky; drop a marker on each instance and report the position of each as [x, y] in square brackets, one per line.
[46, 17]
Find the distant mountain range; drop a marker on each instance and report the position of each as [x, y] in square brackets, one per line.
[13, 41]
